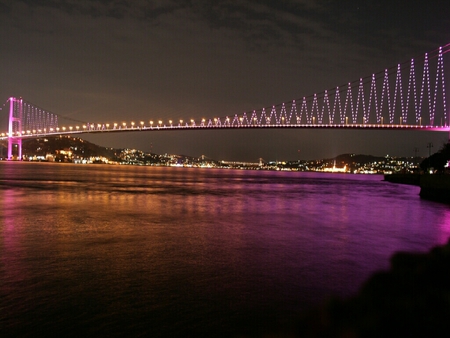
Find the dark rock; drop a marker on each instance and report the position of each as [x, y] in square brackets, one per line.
[410, 300]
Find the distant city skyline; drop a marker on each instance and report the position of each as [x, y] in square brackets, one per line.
[29, 146]
[109, 61]
[70, 149]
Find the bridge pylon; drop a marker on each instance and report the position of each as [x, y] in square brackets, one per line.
[14, 126]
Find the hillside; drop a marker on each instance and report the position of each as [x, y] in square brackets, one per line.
[60, 146]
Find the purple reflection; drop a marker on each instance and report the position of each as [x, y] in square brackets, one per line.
[202, 246]
[12, 267]
[444, 224]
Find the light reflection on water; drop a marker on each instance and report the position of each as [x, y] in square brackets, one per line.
[117, 250]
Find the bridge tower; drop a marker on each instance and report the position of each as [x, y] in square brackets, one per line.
[14, 126]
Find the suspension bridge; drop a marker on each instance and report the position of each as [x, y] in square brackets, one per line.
[408, 96]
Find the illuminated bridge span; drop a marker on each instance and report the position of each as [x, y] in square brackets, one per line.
[409, 96]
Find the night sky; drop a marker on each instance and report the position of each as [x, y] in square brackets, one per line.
[112, 61]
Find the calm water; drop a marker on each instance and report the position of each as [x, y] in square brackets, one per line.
[169, 252]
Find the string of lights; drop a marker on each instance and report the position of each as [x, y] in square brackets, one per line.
[367, 102]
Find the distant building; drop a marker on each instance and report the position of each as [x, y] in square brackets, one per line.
[335, 169]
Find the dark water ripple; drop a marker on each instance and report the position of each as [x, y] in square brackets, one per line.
[169, 252]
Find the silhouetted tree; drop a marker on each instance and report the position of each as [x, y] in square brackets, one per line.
[437, 160]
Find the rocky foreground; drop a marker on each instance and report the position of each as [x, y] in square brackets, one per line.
[410, 300]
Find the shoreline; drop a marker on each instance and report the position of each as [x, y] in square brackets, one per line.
[435, 187]
[408, 300]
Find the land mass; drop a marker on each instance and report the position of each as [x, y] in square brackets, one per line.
[409, 300]
[77, 150]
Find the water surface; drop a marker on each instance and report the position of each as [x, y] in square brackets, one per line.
[117, 250]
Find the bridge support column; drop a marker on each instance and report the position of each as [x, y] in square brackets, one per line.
[15, 125]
